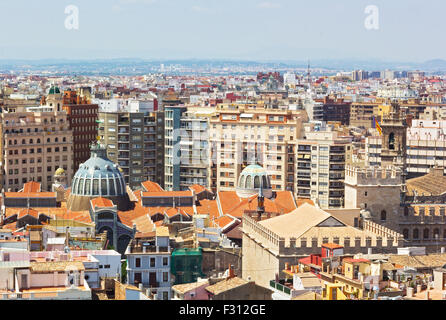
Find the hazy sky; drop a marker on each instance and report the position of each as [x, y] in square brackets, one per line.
[409, 30]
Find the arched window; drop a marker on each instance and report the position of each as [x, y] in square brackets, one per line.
[96, 187]
[23, 141]
[416, 234]
[80, 186]
[31, 141]
[426, 233]
[383, 215]
[257, 182]
[112, 187]
[38, 140]
[392, 141]
[104, 187]
[437, 233]
[265, 182]
[242, 182]
[406, 234]
[48, 140]
[87, 187]
[249, 182]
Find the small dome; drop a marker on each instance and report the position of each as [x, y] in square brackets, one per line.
[60, 172]
[251, 180]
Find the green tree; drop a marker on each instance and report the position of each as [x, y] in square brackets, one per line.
[124, 271]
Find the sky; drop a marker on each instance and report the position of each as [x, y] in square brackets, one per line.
[256, 30]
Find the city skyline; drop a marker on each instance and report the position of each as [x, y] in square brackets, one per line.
[200, 29]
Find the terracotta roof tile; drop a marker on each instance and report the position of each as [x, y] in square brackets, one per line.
[102, 203]
[150, 186]
[31, 187]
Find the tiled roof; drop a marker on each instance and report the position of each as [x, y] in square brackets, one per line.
[332, 246]
[232, 204]
[59, 266]
[102, 203]
[150, 186]
[26, 212]
[432, 183]
[226, 285]
[31, 187]
[30, 195]
[167, 194]
[197, 188]
[184, 288]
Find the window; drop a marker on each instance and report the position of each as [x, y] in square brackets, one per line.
[383, 215]
[392, 141]
[426, 234]
[416, 234]
[406, 234]
[152, 262]
[165, 261]
[138, 263]
[165, 276]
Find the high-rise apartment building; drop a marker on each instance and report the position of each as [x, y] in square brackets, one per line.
[320, 165]
[35, 145]
[82, 117]
[194, 148]
[131, 143]
[243, 134]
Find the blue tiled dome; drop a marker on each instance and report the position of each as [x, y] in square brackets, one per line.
[98, 176]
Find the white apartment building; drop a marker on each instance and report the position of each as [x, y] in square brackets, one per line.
[148, 264]
[320, 165]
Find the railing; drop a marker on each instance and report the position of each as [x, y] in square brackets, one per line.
[280, 287]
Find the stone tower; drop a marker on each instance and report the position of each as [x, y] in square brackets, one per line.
[394, 136]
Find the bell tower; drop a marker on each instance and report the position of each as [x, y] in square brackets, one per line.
[394, 136]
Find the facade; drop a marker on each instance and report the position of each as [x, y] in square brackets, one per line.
[194, 149]
[270, 243]
[130, 138]
[82, 117]
[148, 264]
[172, 161]
[367, 187]
[35, 145]
[245, 134]
[320, 164]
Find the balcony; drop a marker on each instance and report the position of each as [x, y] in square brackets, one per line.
[282, 286]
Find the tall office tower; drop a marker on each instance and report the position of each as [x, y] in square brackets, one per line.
[320, 165]
[35, 145]
[82, 117]
[245, 134]
[131, 143]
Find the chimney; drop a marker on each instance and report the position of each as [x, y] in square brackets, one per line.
[231, 272]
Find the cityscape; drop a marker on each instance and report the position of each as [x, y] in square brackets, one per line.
[208, 179]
